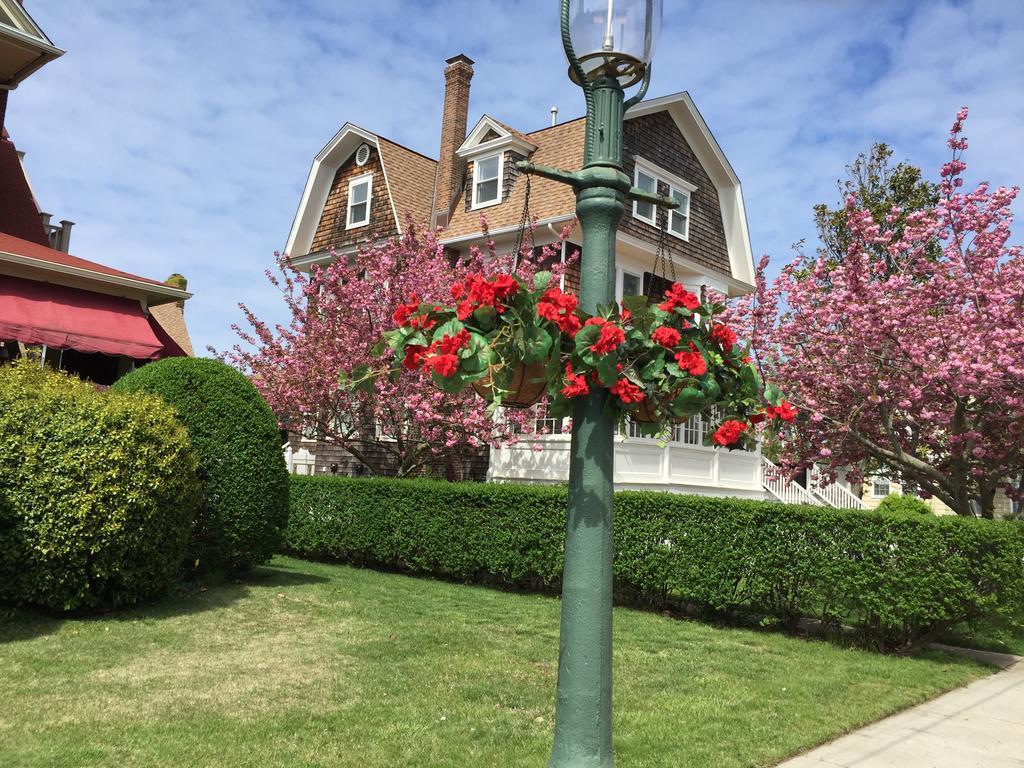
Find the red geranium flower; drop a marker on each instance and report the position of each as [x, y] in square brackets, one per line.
[559, 308]
[609, 340]
[446, 365]
[451, 344]
[729, 433]
[404, 311]
[575, 383]
[724, 335]
[677, 296]
[757, 418]
[666, 336]
[692, 362]
[627, 391]
[413, 357]
[784, 410]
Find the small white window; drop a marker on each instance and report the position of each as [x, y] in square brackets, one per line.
[679, 219]
[631, 285]
[641, 209]
[880, 487]
[487, 181]
[359, 201]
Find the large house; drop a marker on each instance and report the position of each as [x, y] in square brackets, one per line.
[362, 185]
[77, 315]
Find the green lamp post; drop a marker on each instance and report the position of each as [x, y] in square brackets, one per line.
[608, 44]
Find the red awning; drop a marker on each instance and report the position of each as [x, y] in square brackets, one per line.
[33, 312]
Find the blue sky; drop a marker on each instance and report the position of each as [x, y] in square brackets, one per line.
[179, 135]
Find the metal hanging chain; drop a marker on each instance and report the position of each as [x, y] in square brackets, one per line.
[664, 264]
[524, 222]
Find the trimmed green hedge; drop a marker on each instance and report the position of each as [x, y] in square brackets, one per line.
[98, 493]
[896, 579]
[903, 504]
[244, 507]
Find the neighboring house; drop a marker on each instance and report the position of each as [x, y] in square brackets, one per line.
[362, 185]
[877, 488]
[78, 315]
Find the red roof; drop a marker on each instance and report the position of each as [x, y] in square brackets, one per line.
[21, 247]
[18, 213]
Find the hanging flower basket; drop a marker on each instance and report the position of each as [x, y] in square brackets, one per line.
[515, 341]
[524, 387]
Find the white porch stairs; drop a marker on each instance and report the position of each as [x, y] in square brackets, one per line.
[830, 495]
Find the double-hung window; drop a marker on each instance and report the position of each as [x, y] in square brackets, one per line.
[653, 178]
[679, 218]
[880, 487]
[641, 208]
[359, 201]
[487, 181]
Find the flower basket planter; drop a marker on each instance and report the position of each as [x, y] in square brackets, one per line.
[526, 386]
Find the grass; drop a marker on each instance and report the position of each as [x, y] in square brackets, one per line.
[1007, 637]
[307, 664]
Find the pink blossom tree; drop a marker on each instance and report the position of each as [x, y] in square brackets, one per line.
[913, 364]
[338, 314]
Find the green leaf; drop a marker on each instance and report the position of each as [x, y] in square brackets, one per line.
[638, 305]
[485, 317]
[541, 280]
[712, 391]
[560, 407]
[689, 401]
[536, 344]
[450, 328]
[607, 369]
[654, 368]
[451, 384]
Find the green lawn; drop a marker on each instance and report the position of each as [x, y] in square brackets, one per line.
[1007, 638]
[317, 665]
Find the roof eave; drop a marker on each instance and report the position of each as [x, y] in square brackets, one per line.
[155, 293]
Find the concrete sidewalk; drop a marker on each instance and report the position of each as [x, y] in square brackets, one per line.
[978, 726]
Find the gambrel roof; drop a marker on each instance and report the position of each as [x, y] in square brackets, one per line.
[411, 179]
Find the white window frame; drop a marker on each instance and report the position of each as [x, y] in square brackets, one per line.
[674, 184]
[653, 221]
[875, 482]
[674, 191]
[620, 282]
[500, 186]
[366, 178]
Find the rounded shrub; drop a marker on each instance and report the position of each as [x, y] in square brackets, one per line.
[244, 507]
[98, 492]
[896, 503]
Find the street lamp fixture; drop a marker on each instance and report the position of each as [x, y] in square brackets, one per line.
[614, 37]
[608, 44]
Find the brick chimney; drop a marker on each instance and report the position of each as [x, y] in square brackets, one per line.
[450, 167]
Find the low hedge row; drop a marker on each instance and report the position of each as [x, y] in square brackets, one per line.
[897, 579]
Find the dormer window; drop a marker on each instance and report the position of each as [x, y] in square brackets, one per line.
[359, 201]
[487, 181]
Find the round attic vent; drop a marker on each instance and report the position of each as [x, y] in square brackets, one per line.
[362, 154]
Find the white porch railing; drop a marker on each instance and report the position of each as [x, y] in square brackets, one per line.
[833, 494]
[779, 486]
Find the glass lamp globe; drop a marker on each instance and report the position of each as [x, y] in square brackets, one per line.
[614, 37]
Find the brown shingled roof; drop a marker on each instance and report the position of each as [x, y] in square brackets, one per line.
[171, 317]
[560, 146]
[410, 177]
